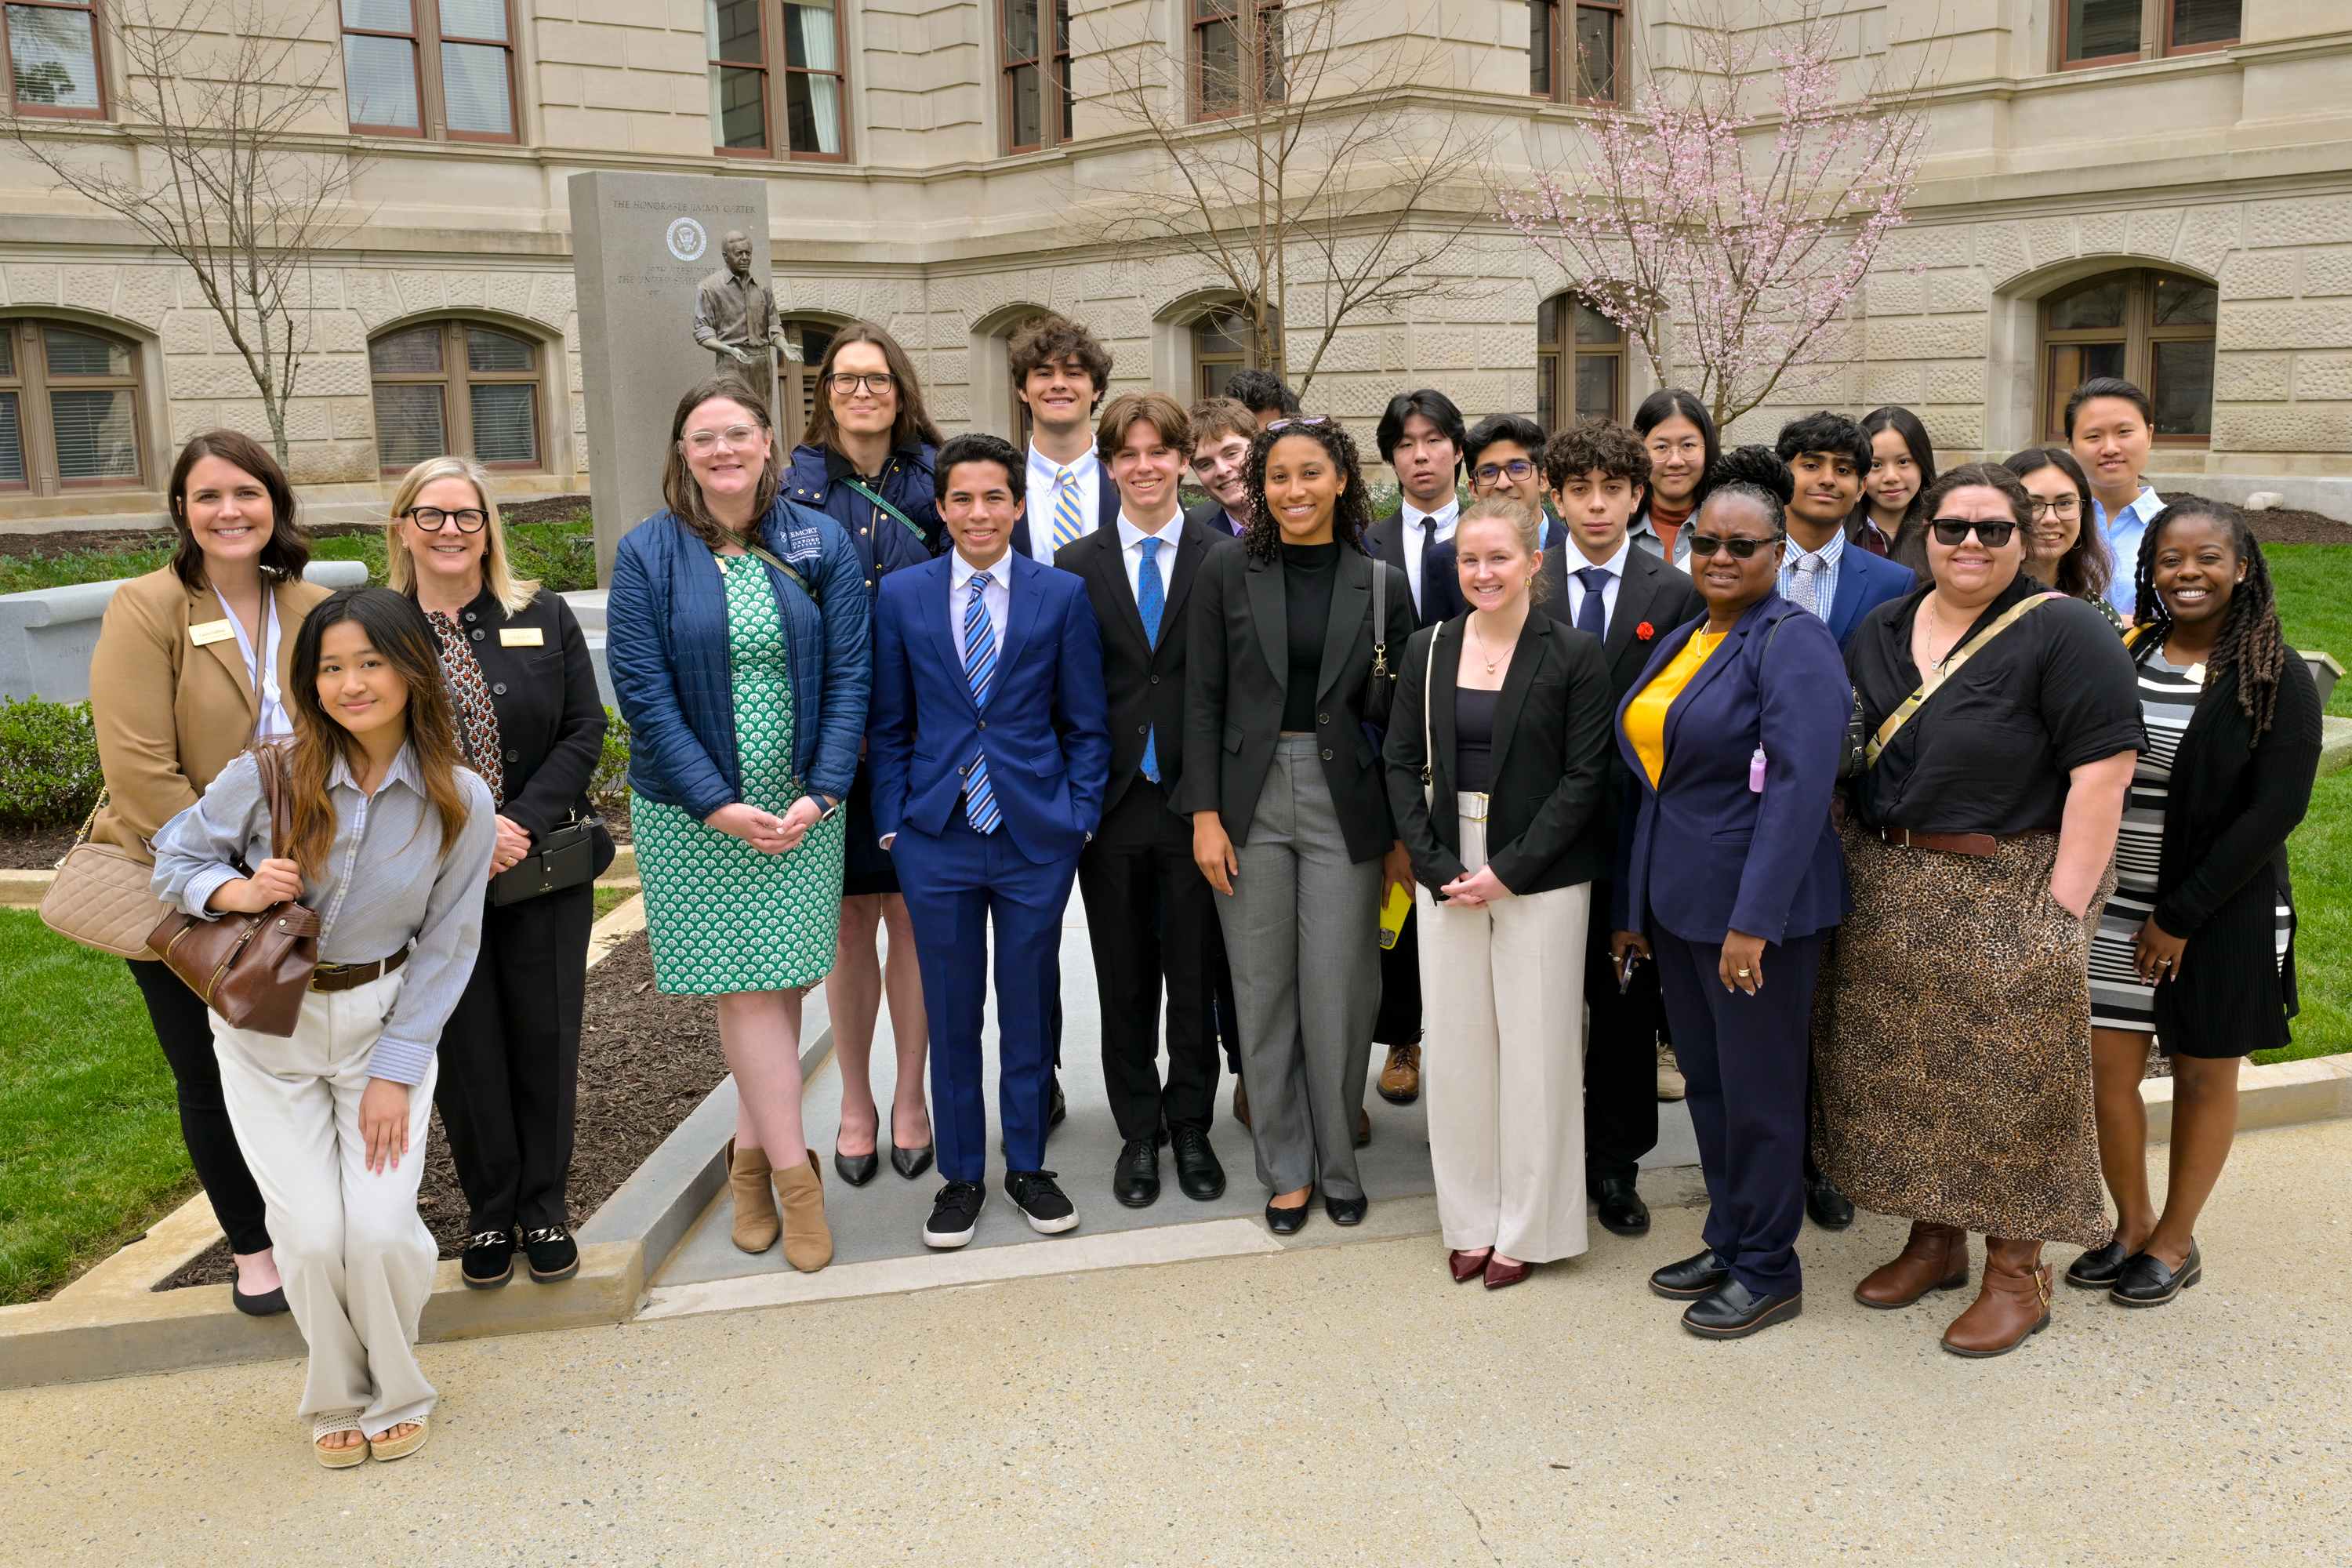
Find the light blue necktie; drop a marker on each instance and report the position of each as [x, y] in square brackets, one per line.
[1152, 599]
[979, 669]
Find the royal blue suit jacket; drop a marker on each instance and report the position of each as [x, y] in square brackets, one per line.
[1864, 582]
[1705, 855]
[1045, 731]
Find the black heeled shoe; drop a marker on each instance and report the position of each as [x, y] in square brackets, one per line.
[268, 1304]
[856, 1169]
[910, 1162]
[1286, 1222]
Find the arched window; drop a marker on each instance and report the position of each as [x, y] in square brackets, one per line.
[1579, 363]
[456, 387]
[2153, 328]
[69, 408]
[1221, 345]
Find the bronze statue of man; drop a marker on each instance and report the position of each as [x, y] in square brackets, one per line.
[735, 316]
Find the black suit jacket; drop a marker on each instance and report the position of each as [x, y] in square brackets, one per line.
[550, 720]
[1237, 671]
[1439, 588]
[1211, 515]
[1145, 683]
[1548, 817]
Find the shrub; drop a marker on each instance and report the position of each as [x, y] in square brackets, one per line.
[49, 776]
[610, 779]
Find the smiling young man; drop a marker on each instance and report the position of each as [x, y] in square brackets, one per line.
[1060, 372]
[1829, 455]
[1222, 433]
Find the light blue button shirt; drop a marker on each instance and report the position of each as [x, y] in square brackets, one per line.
[2123, 535]
[1825, 578]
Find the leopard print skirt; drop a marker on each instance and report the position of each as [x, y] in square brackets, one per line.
[1952, 1043]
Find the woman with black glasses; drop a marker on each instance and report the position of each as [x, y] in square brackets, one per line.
[2065, 554]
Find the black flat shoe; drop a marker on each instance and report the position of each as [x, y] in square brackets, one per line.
[2146, 1281]
[1694, 1276]
[1198, 1173]
[911, 1162]
[488, 1261]
[1730, 1312]
[268, 1304]
[1829, 1208]
[856, 1169]
[1346, 1211]
[1622, 1212]
[1286, 1222]
[2099, 1268]
[553, 1254]
[1134, 1180]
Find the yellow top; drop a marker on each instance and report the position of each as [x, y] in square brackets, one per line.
[1645, 717]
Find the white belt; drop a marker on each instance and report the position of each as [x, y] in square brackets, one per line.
[1471, 806]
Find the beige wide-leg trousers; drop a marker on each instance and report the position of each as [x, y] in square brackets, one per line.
[357, 1260]
[1502, 1063]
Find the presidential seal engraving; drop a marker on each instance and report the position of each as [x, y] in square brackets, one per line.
[687, 240]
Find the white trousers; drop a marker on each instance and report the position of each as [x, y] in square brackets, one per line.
[357, 1260]
[1502, 1063]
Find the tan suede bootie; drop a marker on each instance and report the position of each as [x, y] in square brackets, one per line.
[808, 1241]
[755, 1205]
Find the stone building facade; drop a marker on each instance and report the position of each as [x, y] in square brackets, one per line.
[2168, 192]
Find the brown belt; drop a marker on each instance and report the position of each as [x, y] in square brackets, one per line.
[351, 976]
[1978, 843]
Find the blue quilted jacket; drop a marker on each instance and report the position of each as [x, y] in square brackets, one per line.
[819, 479]
[665, 646]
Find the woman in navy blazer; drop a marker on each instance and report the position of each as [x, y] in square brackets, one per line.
[1728, 876]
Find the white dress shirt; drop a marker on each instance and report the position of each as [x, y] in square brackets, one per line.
[1045, 499]
[1131, 539]
[1575, 562]
[997, 596]
[274, 721]
[1415, 539]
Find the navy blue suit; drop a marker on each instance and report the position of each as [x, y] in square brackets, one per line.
[1046, 734]
[1705, 856]
[1864, 582]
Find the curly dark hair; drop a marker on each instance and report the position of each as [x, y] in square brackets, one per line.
[1044, 339]
[1350, 517]
[1601, 443]
[2251, 642]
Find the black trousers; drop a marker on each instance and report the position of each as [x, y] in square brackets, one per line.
[510, 1061]
[1621, 1055]
[184, 1028]
[1398, 1022]
[1147, 918]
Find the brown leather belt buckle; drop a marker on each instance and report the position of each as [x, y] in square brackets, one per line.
[1981, 844]
[332, 977]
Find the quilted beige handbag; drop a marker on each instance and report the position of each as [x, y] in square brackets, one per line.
[100, 898]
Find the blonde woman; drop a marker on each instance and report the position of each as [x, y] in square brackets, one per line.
[522, 695]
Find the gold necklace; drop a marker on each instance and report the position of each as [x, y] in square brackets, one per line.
[1482, 646]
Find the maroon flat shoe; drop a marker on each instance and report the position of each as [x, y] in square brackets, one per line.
[1467, 1266]
[1501, 1274]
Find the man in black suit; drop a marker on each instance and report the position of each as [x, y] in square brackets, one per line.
[1149, 910]
[1629, 599]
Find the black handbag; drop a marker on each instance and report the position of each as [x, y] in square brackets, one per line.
[565, 857]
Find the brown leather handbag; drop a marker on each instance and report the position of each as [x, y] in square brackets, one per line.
[252, 970]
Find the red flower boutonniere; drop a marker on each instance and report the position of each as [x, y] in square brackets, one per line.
[1646, 631]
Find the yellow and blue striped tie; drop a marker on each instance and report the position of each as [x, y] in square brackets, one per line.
[1068, 521]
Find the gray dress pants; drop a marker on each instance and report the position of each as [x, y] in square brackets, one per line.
[1302, 932]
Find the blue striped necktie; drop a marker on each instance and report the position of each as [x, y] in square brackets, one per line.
[1069, 522]
[979, 669]
[1151, 598]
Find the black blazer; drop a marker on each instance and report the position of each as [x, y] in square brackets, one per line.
[551, 721]
[1548, 786]
[1211, 515]
[1441, 589]
[1237, 671]
[1145, 684]
[2222, 872]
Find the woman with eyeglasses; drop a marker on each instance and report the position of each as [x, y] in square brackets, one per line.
[522, 692]
[1953, 1055]
[866, 462]
[741, 646]
[1729, 879]
[1676, 428]
[2065, 554]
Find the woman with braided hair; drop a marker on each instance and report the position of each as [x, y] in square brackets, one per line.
[2196, 944]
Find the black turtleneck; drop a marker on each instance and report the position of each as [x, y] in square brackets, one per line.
[1309, 573]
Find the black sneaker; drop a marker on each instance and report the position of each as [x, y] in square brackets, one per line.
[489, 1262]
[954, 1214]
[553, 1254]
[1041, 1201]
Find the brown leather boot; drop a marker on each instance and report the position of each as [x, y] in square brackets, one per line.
[808, 1240]
[755, 1205]
[2013, 1305]
[1935, 1259]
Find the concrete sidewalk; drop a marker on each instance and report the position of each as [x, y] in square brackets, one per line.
[1338, 1404]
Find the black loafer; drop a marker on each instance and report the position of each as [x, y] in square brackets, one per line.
[489, 1260]
[1134, 1180]
[268, 1304]
[1730, 1312]
[2099, 1268]
[553, 1254]
[856, 1169]
[1346, 1211]
[1198, 1172]
[1829, 1208]
[911, 1162]
[2146, 1281]
[1286, 1222]
[1622, 1212]
[1694, 1276]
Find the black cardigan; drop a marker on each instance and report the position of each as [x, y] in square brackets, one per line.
[550, 720]
[2223, 871]
[1548, 786]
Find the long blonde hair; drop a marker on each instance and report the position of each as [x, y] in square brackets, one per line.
[512, 591]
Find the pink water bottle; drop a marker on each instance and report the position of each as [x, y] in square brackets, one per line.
[1756, 772]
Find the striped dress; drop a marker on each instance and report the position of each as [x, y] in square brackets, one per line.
[2168, 699]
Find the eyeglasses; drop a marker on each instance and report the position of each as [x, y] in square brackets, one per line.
[732, 437]
[2058, 506]
[469, 520]
[1687, 449]
[845, 382]
[1519, 468]
[1952, 531]
[1738, 549]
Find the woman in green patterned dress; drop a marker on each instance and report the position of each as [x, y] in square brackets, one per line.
[740, 646]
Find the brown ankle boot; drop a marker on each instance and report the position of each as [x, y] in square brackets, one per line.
[2014, 1304]
[1935, 1259]
[755, 1205]
[808, 1241]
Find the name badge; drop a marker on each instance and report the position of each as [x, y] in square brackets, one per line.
[521, 636]
[206, 632]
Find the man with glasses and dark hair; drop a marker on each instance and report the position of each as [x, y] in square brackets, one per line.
[1829, 455]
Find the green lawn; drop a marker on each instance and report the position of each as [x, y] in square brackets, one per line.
[610, 899]
[2314, 594]
[561, 556]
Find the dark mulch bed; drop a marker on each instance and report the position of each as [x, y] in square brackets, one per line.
[616, 820]
[35, 849]
[548, 509]
[2289, 526]
[646, 1061]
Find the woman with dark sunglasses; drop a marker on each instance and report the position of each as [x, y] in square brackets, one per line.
[1953, 1055]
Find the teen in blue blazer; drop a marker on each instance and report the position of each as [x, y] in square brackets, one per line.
[1864, 582]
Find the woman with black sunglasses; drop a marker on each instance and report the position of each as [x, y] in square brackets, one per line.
[1952, 1057]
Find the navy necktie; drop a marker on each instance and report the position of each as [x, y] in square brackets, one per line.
[1428, 565]
[1592, 615]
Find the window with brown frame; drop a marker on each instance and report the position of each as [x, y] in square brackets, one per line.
[776, 65]
[456, 387]
[69, 408]
[1587, 72]
[1222, 346]
[441, 69]
[1580, 364]
[2111, 32]
[1237, 57]
[2153, 328]
[1037, 99]
[52, 58]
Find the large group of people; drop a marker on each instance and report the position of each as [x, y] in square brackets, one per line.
[1905, 805]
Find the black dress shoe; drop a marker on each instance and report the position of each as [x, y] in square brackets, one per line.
[2099, 1268]
[488, 1261]
[2147, 1281]
[1828, 1206]
[1730, 1312]
[1198, 1173]
[1286, 1222]
[269, 1304]
[1134, 1180]
[1057, 1111]
[1694, 1276]
[1622, 1212]
[1346, 1210]
[856, 1169]
[553, 1254]
[911, 1162]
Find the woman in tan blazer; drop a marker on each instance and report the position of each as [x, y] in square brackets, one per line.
[189, 670]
